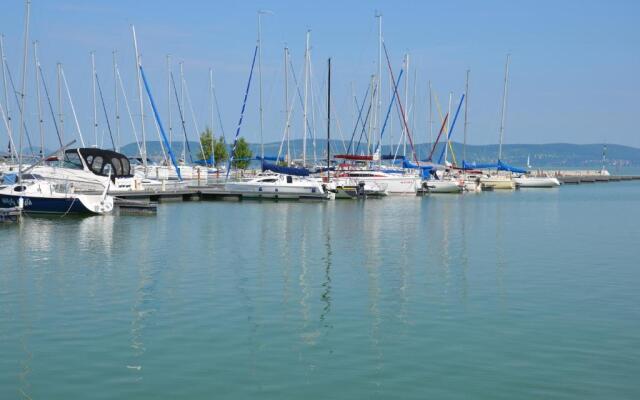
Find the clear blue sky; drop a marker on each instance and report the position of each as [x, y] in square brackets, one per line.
[574, 72]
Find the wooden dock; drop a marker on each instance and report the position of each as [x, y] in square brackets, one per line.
[216, 192]
[196, 193]
[10, 215]
[578, 179]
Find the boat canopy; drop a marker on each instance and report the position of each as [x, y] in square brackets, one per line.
[101, 162]
[270, 158]
[354, 157]
[499, 166]
[506, 167]
[266, 166]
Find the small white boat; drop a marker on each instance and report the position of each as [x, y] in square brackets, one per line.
[34, 195]
[442, 186]
[278, 186]
[525, 181]
[391, 183]
[502, 182]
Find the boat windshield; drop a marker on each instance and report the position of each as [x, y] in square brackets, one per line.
[72, 160]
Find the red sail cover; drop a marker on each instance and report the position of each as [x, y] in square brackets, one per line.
[353, 157]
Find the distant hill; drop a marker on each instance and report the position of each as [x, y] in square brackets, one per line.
[552, 155]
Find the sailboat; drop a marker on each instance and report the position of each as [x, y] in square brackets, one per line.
[30, 192]
[497, 180]
[275, 181]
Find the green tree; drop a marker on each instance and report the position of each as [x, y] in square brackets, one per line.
[243, 154]
[207, 141]
[220, 151]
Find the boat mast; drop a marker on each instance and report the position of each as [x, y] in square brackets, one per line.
[406, 101]
[430, 115]
[95, 110]
[328, 118]
[6, 96]
[306, 90]
[378, 117]
[138, 65]
[60, 113]
[466, 122]
[286, 102]
[504, 105]
[73, 109]
[24, 85]
[38, 97]
[446, 143]
[115, 97]
[181, 105]
[169, 98]
[211, 101]
[260, 13]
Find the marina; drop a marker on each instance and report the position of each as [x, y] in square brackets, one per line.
[318, 200]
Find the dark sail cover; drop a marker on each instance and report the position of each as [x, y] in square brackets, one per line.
[266, 166]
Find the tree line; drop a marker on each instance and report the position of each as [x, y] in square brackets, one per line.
[219, 147]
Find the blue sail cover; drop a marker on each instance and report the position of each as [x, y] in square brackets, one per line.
[506, 167]
[270, 158]
[208, 161]
[425, 170]
[475, 165]
[392, 157]
[266, 166]
[499, 166]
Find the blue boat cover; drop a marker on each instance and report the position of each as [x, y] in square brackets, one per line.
[270, 158]
[506, 167]
[266, 166]
[499, 166]
[9, 179]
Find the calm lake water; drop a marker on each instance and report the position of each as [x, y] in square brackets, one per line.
[525, 294]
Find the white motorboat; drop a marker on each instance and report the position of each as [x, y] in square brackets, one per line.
[526, 181]
[442, 186]
[36, 195]
[391, 183]
[90, 169]
[278, 186]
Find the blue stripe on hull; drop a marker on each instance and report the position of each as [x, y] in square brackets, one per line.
[45, 205]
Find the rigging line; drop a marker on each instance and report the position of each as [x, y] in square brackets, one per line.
[155, 112]
[295, 80]
[442, 127]
[53, 115]
[126, 103]
[244, 105]
[6, 124]
[15, 93]
[386, 118]
[453, 124]
[193, 116]
[215, 99]
[106, 115]
[366, 121]
[359, 119]
[404, 118]
[184, 127]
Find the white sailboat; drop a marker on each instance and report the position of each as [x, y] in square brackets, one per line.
[500, 180]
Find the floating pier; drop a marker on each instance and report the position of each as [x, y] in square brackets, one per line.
[10, 215]
[577, 179]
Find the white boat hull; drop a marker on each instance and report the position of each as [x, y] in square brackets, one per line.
[537, 182]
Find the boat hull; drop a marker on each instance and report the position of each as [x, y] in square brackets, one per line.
[537, 182]
[434, 186]
[39, 205]
[499, 184]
